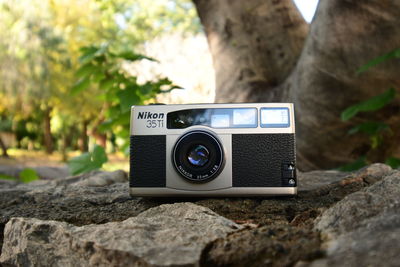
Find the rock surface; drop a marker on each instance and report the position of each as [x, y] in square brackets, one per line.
[44, 172]
[327, 223]
[170, 234]
[364, 228]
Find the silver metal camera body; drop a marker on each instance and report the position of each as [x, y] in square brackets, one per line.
[213, 150]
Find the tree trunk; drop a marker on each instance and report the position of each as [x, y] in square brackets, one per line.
[83, 140]
[3, 148]
[48, 138]
[64, 147]
[255, 45]
[318, 75]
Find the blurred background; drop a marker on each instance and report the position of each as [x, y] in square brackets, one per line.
[64, 64]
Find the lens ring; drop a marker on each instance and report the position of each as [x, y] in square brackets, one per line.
[205, 170]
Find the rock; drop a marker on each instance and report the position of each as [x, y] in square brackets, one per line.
[47, 173]
[5, 184]
[44, 172]
[63, 200]
[104, 178]
[283, 245]
[166, 235]
[309, 181]
[364, 228]
[280, 229]
[352, 212]
[318, 180]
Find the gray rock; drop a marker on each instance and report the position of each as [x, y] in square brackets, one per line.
[324, 180]
[363, 229]
[313, 180]
[352, 212]
[64, 200]
[104, 179]
[47, 173]
[44, 172]
[167, 235]
[281, 229]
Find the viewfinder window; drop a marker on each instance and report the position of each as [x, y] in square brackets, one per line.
[220, 121]
[245, 117]
[275, 118]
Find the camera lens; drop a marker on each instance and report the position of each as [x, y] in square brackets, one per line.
[198, 155]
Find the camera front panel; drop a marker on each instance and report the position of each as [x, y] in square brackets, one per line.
[147, 161]
[263, 160]
[213, 150]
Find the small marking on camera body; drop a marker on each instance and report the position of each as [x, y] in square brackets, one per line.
[155, 123]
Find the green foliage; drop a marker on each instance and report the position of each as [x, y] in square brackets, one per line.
[373, 129]
[372, 104]
[392, 54]
[88, 161]
[393, 162]
[5, 125]
[369, 127]
[28, 175]
[103, 67]
[6, 177]
[358, 164]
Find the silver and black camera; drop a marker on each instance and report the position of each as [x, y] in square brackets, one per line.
[213, 150]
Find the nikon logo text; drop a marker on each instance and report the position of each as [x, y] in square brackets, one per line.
[149, 115]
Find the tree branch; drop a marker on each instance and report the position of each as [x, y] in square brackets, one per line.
[255, 44]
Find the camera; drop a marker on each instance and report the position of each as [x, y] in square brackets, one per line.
[213, 150]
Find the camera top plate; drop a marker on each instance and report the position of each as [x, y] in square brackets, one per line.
[221, 118]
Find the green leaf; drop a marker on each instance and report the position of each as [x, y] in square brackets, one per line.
[106, 84]
[88, 53]
[147, 88]
[374, 103]
[105, 126]
[98, 75]
[99, 156]
[28, 175]
[80, 164]
[393, 54]
[393, 162]
[86, 70]
[88, 161]
[358, 164]
[127, 98]
[81, 85]
[123, 119]
[7, 177]
[369, 128]
[131, 56]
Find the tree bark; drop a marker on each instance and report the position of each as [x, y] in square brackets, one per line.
[3, 148]
[48, 138]
[344, 35]
[83, 140]
[64, 147]
[255, 45]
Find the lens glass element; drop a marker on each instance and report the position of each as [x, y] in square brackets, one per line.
[198, 155]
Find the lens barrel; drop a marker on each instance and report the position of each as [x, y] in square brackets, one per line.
[198, 156]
